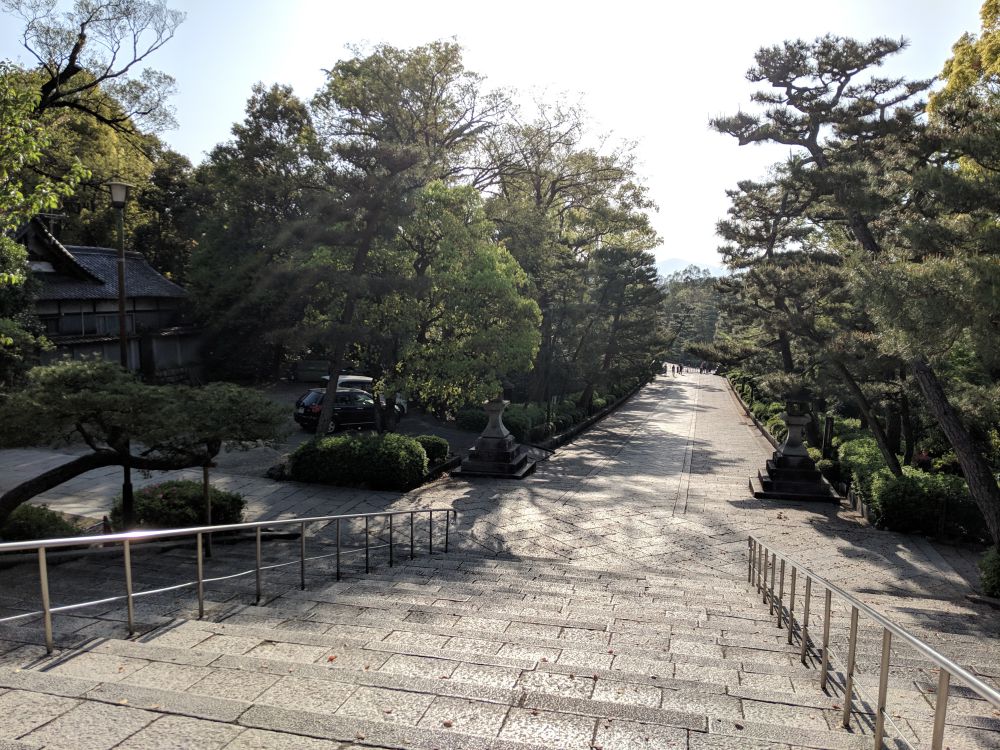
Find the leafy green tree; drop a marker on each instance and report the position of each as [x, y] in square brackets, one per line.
[861, 141]
[166, 207]
[457, 310]
[555, 199]
[391, 122]
[252, 216]
[691, 307]
[23, 140]
[88, 59]
[122, 420]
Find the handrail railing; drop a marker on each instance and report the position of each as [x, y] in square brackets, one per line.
[126, 539]
[764, 560]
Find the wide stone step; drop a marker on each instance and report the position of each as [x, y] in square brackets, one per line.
[542, 706]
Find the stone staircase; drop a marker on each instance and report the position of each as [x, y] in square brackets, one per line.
[452, 652]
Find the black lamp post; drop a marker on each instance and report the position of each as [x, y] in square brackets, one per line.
[119, 195]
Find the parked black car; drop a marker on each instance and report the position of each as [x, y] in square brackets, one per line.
[354, 408]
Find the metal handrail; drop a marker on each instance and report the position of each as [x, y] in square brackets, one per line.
[763, 560]
[127, 538]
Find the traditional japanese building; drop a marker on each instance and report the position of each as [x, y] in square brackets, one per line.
[78, 304]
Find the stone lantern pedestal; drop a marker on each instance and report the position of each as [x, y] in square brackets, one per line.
[496, 454]
[790, 473]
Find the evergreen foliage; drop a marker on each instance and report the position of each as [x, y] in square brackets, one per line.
[386, 462]
[178, 504]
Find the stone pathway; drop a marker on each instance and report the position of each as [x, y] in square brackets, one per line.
[650, 505]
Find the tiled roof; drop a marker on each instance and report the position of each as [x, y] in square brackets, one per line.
[141, 279]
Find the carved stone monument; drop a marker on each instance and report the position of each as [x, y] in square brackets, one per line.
[790, 473]
[496, 453]
[796, 417]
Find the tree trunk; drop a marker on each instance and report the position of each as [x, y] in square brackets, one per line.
[98, 460]
[893, 428]
[787, 363]
[346, 320]
[53, 478]
[909, 439]
[873, 424]
[982, 483]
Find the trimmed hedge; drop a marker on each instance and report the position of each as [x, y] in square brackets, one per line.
[180, 503]
[28, 522]
[990, 567]
[923, 502]
[389, 461]
[527, 421]
[435, 447]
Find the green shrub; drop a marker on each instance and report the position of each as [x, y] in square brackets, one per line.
[599, 402]
[332, 460]
[860, 459]
[435, 447]
[400, 462]
[990, 566]
[29, 522]
[916, 501]
[815, 453]
[520, 418]
[180, 503]
[390, 461]
[845, 430]
[472, 418]
[776, 426]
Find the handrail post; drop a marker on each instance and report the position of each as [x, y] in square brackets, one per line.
[750, 552]
[430, 532]
[338, 549]
[447, 529]
[852, 649]
[258, 559]
[390, 540]
[940, 709]
[129, 604]
[791, 606]
[781, 593]
[411, 534]
[201, 577]
[883, 688]
[43, 578]
[805, 621]
[367, 565]
[761, 573]
[825, 668]
[302, 556]
[774, 570]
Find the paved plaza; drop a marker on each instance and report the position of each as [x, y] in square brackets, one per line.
[651, 503]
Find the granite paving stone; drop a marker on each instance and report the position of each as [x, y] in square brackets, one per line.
[95, 726]
[377, 704]
[23, 711]
[319, 696]
[615, 734]
[182, 733]
[548, 728]
[461, 715]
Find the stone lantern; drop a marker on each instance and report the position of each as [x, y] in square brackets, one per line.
[496, 453]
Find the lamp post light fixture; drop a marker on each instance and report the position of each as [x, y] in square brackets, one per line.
[119, 196]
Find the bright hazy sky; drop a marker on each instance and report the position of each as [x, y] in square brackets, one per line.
[646, 70]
